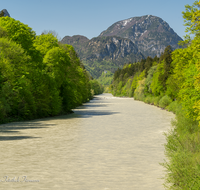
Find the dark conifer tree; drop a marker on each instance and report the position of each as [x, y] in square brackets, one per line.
[148, 64]
[167, 59]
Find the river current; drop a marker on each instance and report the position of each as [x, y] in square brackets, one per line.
[108, 143]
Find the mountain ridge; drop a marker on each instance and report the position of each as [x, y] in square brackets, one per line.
[151, 34]
[125, 41]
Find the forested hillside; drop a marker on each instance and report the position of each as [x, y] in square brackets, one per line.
[172, 82]
[104, 53]
[39, 76]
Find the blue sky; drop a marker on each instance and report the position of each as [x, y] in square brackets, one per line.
[90, 17]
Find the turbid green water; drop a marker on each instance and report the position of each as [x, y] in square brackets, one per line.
[107, 144]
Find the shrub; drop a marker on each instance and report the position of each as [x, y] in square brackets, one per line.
[165, 101]
[148, 100]
[182, 151]
[139, 92]
[156, 100]
[173, 107]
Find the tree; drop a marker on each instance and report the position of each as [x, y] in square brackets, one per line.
[3, 33]
[53, 32]
[148, 64]
[166, 61]
[21, 34]
[191, 19]
[15, 85]
[45, 42]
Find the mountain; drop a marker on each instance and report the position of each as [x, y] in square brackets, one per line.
[151, 34]
[104, 53]
[125, 41]
[76, 41]
[4, 12]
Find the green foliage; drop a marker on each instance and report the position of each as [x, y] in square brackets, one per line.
[139, 92]
[182, 150]
[149, 100]
[45, 42]
[156, 100]
[174, 107]
[3, 32]
[105, 78]
[125, 81]
[165, 101]
[97, 67]
[162, 73]
[15, 83]
[148, 64]
[191, 18]
[149, 78]
[38, 76]
[21, 34]
[96, 87]
[156, 85]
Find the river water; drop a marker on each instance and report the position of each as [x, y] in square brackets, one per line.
[108, 143]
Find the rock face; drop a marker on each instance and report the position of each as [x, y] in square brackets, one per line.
[5, 13]
[103, 48]
[150, 33]
[113, 48]
[104, 53]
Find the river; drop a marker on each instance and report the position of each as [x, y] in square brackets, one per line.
[108, 143]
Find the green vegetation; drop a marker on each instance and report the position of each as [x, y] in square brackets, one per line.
[172, 82]
[39, 77]
[106, 78]
[96, 68]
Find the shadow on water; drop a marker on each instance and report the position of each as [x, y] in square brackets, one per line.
[9, 138]
[13, 127]
[17, 127]
[91, 106]
[91, 113]
[83, 111]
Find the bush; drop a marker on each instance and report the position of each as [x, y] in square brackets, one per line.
[182, 151]
[174, 107]
[165, 101]
[139, 92]
[156, 100]
[149, 100]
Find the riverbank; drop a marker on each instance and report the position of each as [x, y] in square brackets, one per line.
[182, 147]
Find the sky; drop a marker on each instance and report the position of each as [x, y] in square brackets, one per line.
[90, 17]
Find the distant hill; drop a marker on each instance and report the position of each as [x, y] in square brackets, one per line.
[76, 41]
[4, 12]
[151, 34]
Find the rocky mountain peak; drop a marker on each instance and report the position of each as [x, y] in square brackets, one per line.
[4, 13]
[150, 33]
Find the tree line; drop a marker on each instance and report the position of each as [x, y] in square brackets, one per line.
[173, 83]
[39, 76]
